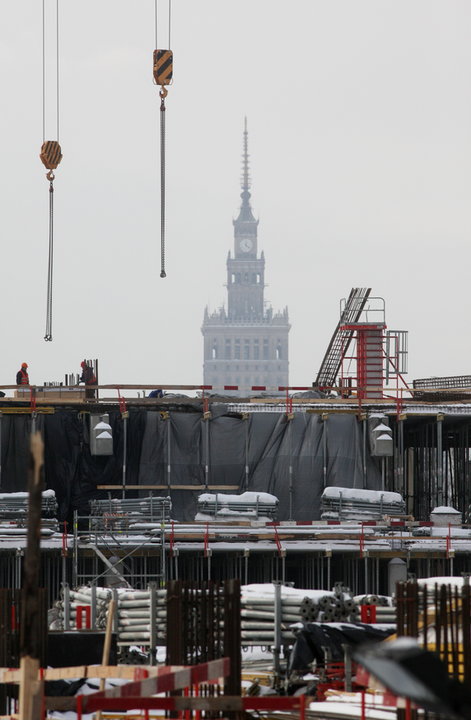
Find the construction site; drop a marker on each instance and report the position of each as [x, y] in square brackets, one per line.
[240, 547]
[316, 500]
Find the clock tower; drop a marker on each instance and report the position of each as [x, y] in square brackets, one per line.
[246, 345]
[245, 271]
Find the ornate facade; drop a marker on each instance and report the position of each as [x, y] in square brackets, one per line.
[246, 345]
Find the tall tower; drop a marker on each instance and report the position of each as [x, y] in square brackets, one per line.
[245, 345]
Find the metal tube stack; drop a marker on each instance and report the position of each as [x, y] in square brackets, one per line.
[339, 503]
[141, 615]
[385, 611]
[129, 513]
[133, 620]
[248, 506]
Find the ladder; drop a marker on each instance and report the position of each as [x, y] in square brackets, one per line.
[341, 339]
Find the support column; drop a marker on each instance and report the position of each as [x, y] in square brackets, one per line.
[324, 417]
[440, 489]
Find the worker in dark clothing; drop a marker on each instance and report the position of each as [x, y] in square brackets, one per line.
[88, 377]
[156, 393]
[22, 377]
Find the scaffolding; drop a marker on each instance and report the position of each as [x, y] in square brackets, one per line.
[378, 356]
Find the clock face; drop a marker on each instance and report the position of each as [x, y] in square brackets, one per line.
[246, 244]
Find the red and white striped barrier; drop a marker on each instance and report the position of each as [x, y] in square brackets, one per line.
[223, 703]
[170, 679]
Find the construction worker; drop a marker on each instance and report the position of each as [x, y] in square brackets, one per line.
[88, 377]
[22, 375]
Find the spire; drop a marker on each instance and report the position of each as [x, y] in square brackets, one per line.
[245, 214]
[245, 161]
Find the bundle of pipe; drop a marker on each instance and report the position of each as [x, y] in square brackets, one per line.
[122, 513]
[136, 619]
[248, 505]
[18, 527]
[72, 600]
[385, 610]
[338, 503]
[297, 605]
[383, 600]
[135, 622]
[338, 606]
[14, 506]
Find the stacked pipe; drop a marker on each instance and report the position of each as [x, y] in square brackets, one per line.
[337, 607]
[134, 612]
[14, 506]
[385, 611]
[72, 602]
[125, 513]
[338, 503]
[14, 514]
[258, 610]
[141, 615]
[248, 505]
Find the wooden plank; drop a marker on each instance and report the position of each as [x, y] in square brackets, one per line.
[123, 672]
[107, 646]
[29, 687]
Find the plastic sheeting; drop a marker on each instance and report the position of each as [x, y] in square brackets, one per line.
[261, 452]
[314, 637]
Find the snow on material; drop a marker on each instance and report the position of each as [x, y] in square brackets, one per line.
[24, 495]
[430, 582]
[445, 510]
[224, 515]
[247, 497]
[383, 429]
[374, 496]
[268, 590]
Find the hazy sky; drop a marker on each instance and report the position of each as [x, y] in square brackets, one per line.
[359, 115]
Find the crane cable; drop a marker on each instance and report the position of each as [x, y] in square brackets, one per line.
[163, 72]
[50, 156]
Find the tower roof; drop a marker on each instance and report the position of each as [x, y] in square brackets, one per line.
[246, 218]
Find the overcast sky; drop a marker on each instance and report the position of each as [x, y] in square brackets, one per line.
[359, 115]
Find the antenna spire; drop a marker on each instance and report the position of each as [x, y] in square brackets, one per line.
[245, 162]
[245, 215]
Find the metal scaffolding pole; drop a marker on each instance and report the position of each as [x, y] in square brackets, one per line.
[440, 489]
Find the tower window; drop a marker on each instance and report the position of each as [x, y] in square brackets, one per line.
[265, 349]
[227, 351]
[247, 350]
[214, 352]
[256, 350]
[278, 352]
[237, 349]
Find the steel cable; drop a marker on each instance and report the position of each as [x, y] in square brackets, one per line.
[44, 72]
[57, 68]
[48, 335]
[162, 186]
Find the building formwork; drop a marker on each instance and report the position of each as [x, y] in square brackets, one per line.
[302, 449]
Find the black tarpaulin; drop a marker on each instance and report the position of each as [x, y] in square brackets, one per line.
[314, 637]
[293, 459]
